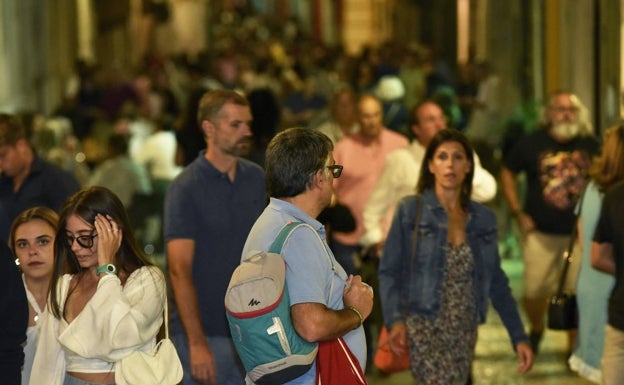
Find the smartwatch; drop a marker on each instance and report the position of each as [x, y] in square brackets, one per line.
[109, 268]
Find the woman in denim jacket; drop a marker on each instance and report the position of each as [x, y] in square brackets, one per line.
[434, 297]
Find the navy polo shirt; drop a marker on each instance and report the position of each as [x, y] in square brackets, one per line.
[204, 205]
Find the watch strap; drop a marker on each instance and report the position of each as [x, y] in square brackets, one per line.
[109, 268]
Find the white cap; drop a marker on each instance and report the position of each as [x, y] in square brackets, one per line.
[389, 88]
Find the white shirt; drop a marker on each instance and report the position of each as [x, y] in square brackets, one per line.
[333, 131]
[115, 322]
[158, 155]
[398, 180]
[32, 336]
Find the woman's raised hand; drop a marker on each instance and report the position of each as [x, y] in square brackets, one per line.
[109, 238]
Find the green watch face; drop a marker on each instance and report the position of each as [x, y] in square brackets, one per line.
[108, 269]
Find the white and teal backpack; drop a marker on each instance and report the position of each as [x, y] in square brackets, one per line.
[257, 307]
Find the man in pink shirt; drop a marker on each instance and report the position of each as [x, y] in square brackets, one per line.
[363, 156]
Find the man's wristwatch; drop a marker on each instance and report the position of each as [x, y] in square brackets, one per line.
[109, 268]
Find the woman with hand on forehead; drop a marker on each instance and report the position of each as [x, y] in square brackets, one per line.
[106, 297]
[32, 241]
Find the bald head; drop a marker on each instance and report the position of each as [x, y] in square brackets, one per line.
[370, 116]
[429, 119]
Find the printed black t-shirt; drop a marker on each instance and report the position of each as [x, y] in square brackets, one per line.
[556, 175]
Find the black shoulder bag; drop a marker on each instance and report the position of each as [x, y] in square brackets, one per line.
[562, 311]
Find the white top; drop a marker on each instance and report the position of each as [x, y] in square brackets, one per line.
[76, 363]
[333, 131]
[32, 334]
[139, 129]
[398, 180]
[116, 321]
[158, 155]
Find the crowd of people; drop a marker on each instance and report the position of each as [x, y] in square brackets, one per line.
[379, 156]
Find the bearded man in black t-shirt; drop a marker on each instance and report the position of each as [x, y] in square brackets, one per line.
[555, 159]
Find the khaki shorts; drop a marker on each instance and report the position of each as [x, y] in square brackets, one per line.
[613, 357]
[543, 263]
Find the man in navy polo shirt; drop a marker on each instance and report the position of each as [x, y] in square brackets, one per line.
[209, 210]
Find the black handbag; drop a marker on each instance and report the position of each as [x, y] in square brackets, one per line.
[562, 310]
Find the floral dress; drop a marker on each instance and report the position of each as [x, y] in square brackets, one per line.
[442, 349]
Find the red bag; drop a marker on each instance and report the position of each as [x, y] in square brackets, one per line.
[385, 359]
[337, 365]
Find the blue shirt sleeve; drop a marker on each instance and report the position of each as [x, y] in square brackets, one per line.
[307, 267]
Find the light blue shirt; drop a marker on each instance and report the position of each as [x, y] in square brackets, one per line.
[312, 272]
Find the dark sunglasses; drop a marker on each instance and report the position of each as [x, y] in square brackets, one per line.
[336, 170]
[85, 241]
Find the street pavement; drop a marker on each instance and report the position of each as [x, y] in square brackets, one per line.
[495, 362]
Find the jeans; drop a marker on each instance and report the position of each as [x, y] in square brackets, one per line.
[70, 380]
[230, 370]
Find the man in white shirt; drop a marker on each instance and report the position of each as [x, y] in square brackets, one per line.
[401, 172]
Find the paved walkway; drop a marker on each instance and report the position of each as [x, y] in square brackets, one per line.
[495, 362]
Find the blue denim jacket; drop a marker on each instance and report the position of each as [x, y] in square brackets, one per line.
[413, 285]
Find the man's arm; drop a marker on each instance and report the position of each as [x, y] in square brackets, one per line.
[180, 253]
[315, 322]
[483, 183]
[508, 182]
[602, 257]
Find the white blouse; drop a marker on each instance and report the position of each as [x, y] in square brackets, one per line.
[116, 321]
[32, 334]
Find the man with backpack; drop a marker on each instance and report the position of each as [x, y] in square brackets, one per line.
[325, 303]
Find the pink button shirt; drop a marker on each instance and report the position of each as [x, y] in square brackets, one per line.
[363, 163]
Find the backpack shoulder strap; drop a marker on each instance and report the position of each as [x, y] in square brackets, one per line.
[278, 243]
[282, 236]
